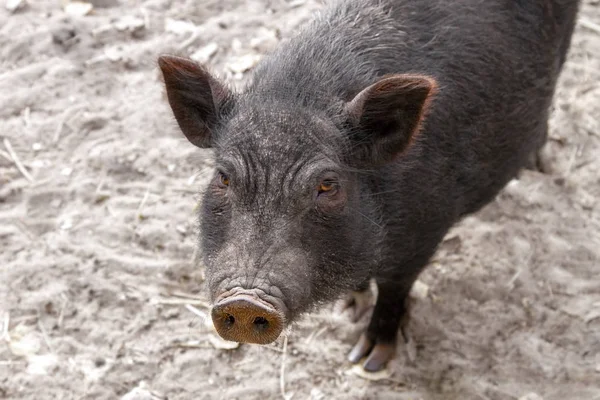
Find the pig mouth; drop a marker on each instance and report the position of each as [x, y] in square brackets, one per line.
[248, 316]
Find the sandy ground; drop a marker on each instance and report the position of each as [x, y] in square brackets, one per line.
[100, 296]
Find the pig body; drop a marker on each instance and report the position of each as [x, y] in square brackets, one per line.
[357, 145]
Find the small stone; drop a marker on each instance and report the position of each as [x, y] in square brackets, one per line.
[586, 200]
[419, 290]
[236, 45]
[42, 364]
[316, 394]
[78, 8]
[296, 3]
[265, 41]
[130, 23]
[142, 392]
[24, 345]
[14, 5]
[179, 27]
[113, 54]
[66, 225]
[41, 163]
[531, 396]
[67, 171]
[243, 63]
[204, 54]
[65, 36]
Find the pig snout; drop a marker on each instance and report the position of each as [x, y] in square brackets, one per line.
[244, 316]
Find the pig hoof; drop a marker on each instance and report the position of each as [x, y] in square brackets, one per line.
[379, 357]
[357, 304]
[378, 354]
[361, 349]
[537, 162]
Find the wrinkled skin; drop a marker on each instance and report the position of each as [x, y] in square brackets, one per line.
[358, 144]
[261, 229]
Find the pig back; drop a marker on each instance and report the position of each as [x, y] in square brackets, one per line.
[496, 63]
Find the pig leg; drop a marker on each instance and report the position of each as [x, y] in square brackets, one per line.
[539, 162]
[378, 343]
[358, 301]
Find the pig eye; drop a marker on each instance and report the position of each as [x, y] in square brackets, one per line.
[223, 179]
[327, 187]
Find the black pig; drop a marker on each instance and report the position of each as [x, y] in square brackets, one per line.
[357, 145]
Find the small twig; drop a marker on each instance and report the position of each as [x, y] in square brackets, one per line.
[24, 229]
[573, 158]
[68, 113]
[5, 327]
[195, 255]
[23, 318]
[45, 336]
[512, 280]
[40, 183]
[143, 202]
[282, 371]
[146, 16]
[10, 362]
[273, 348]
[187, 296]
[110, 211]
[195, 311]
[243, 362]
[26, 116]
[192, 345]
[184, 190]
[175, 302]
[101, 183]
[16, 160]
[58, 131]
[550, 290]
[6, 155]
[61, 313]
[586, 23]
[314, 334]
[189, 41]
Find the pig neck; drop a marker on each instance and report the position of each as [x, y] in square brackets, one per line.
[334, 57]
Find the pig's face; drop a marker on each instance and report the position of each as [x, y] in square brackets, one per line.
[281, 214]
[282, 223]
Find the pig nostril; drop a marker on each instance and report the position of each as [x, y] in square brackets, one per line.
[261, 323]
[229, 320]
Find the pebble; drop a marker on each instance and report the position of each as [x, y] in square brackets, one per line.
[14, 5]
[204, 54]
[78, 8]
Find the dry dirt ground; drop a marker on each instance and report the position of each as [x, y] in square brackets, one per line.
[100, 297]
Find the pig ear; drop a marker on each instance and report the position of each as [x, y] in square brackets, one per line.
[196, 98]
[385, 117]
